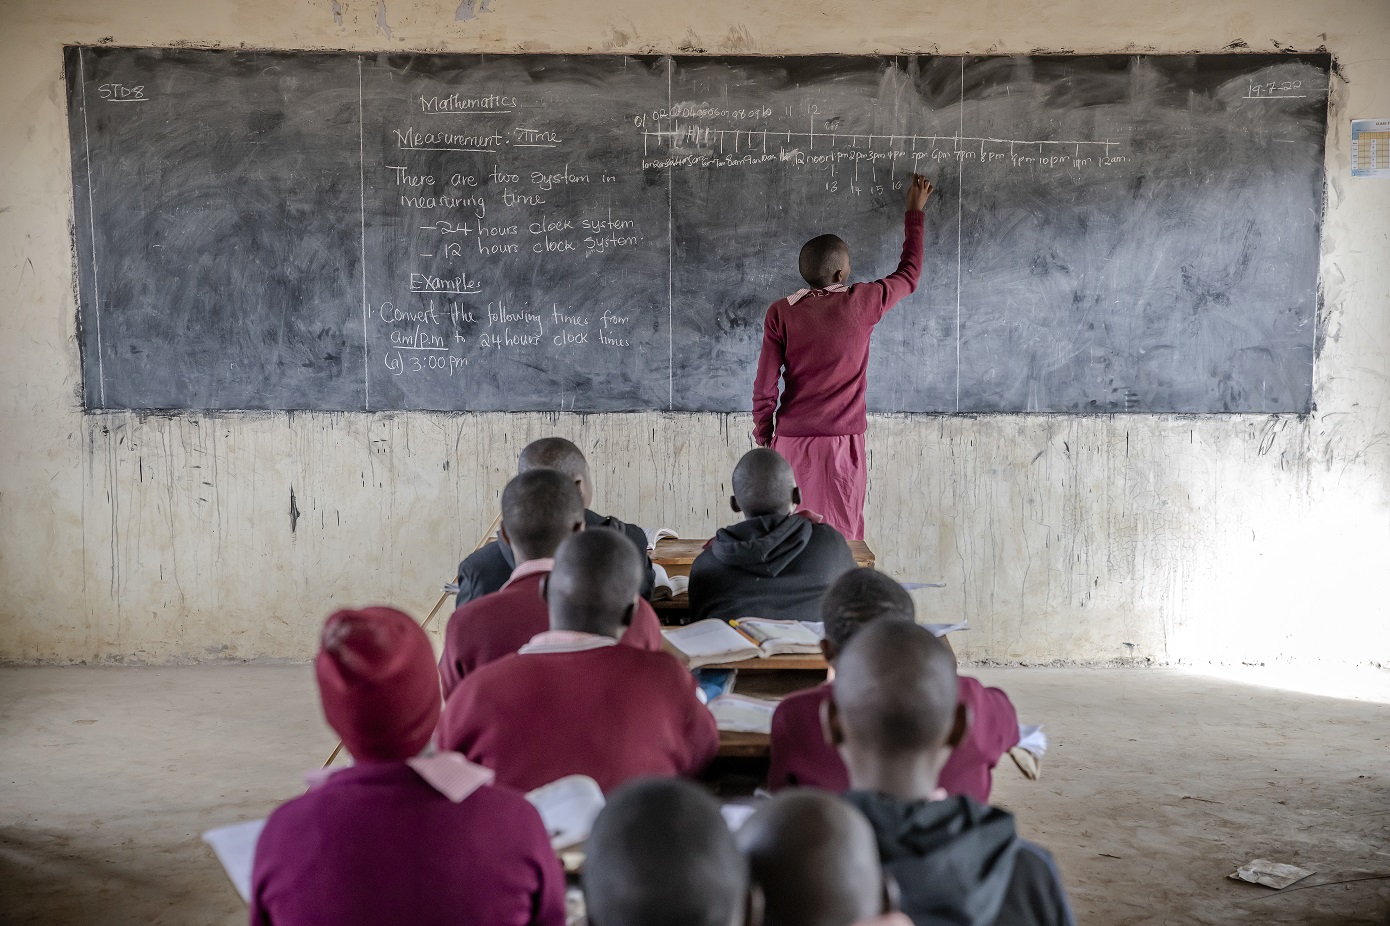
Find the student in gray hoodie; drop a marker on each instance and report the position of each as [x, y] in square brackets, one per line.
[773, 563]
[895, 716]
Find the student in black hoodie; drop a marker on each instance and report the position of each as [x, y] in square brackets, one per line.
[895, 716]
[488, 569]
[773, 563]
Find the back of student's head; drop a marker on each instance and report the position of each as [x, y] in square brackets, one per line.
[661, 855]
[820, 258]
[858, 597]
[594, 583]
[554, 453]
[895, 689]
[378, 683]
[540, 508]
[763, 483]
[816, 860]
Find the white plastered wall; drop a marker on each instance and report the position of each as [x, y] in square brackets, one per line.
[1245, 539]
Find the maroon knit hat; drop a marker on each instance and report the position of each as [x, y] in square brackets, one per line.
[378, 682]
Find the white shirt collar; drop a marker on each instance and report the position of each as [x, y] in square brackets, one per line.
[565, 641]
[797, 296]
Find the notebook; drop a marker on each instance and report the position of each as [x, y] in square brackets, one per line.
[741, 714]
[568, 808]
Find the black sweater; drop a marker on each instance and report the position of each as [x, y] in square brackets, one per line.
[775, 566]
[961, 863]
[486, 570]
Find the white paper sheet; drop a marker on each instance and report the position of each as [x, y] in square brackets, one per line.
[235, 846]
[1033, 739]
[735, 815]
[568, 808]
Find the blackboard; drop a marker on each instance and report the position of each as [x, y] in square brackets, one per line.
[595, 233]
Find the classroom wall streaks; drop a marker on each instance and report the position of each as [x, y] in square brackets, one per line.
[160, 539]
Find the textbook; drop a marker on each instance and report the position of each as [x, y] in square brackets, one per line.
[656, 534]
[776, 637]
[568, 808]
[740, 714]
[712, 641]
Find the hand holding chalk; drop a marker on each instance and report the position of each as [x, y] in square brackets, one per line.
[917, 193]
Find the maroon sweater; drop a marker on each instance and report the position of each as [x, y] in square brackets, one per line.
[613, 713]
[819, 347]
[801, 757]
[486, 629]
[377, 844]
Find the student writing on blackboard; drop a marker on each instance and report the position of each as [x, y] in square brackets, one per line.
[817, 342]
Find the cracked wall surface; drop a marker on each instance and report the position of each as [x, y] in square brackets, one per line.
[128, 537]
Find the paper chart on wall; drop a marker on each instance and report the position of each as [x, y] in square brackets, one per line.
[1370, 148]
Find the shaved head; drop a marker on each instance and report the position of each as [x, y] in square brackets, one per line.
[764, 483]
[540, 508]
[558, 454]
[858, 597]
[821, 257]
[895, 690]
[594, 584]
[815, 858]
[661, 855]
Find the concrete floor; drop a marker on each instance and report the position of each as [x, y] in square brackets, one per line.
[1158, 784]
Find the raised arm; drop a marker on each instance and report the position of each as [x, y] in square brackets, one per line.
[903, 280]
[770, 362]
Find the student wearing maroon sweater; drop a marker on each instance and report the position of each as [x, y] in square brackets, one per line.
[572, 702]
[800, 754]
[399, 838]
[540, 508]
[773, 563]
[486, 570]
[817, 342]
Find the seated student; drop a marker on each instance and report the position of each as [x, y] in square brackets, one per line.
[895, 716]
[816, 860]
[396, 838]
[661, 855]
[773, 563]
[800, 753]
[540, 508]
[571, 702]
[487, 569]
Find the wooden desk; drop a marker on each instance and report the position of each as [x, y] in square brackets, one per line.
[675, 556]
[786, 662]
[743, 745]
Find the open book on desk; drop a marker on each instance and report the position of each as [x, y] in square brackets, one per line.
[712, 641]
[777, 637]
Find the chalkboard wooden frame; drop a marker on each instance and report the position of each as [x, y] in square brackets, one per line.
[1111, 234]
